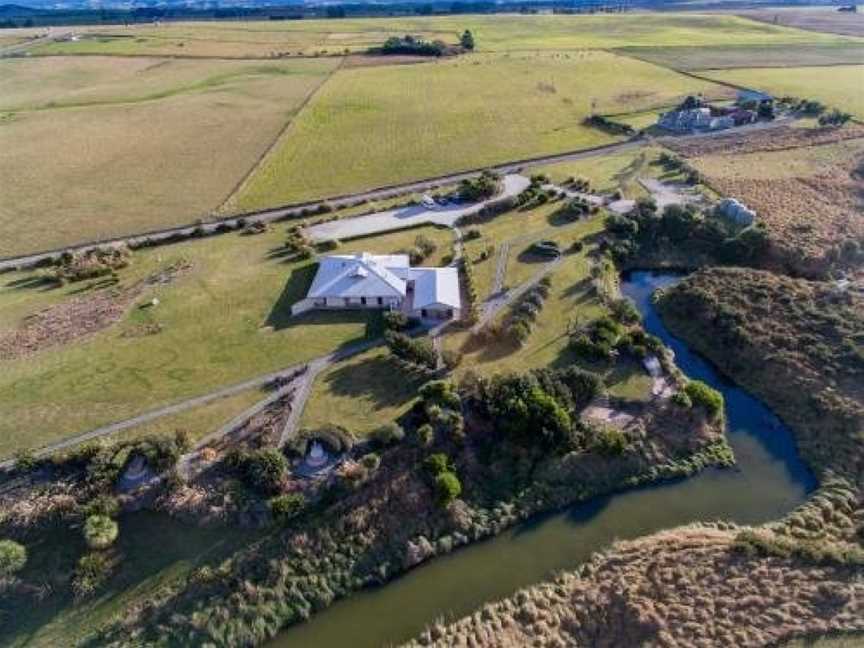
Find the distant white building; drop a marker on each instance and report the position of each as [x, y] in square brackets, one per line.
[355, 281]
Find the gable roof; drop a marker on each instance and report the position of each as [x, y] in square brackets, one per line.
[433, 286]
[359, 275]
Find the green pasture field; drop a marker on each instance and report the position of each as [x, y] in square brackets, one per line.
[570, 297]
[618, 171]
[401, 123]
[225, 40]
[700, 57]
[360, 394]
[838, 87]
[154, 143]
[265, 39]
[200, 421]
[226, 320]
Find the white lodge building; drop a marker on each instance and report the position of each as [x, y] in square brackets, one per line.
[383, 281]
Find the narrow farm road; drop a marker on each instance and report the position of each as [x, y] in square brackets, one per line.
[492, 306]
[389, 191]
[175, 408]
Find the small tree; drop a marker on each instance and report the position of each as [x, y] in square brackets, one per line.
[13, 557]
[100, 531]
[387, 434]
[703, 395]
[467, 40]
[287, 507]
[265, 469]
[447, 487]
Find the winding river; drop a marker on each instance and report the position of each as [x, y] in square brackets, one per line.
[769, 480]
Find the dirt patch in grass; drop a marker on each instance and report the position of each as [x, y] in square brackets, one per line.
[77, 318]
[684, 587]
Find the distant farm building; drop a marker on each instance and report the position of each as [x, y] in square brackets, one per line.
[688, 120]
[736, 212]
[359, 281]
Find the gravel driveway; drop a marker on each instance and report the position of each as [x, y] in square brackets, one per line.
[396, 219]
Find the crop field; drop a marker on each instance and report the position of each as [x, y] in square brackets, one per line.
[263, 39]
[686, 57]
[225, 320]
[838, 87]
[819, 19]
[409, 122]
[810, 198]
[147, 143]
[224, 39]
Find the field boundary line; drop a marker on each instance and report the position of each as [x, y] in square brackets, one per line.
[241, 184]
[293, 210]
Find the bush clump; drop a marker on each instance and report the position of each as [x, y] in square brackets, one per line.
[702, 395]
[286, 507]
[387, 435]
[265, 469]
[13, 557]
[100, 531]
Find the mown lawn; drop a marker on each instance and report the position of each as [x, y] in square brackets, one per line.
[200, 421]
[226, 320]
[840, 86]
[360, 394]
[409, 122]
[146, 143]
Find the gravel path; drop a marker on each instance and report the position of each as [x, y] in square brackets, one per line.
[182, 406]
[396, 219]
[492, 306]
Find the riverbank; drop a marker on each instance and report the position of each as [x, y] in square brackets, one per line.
[694, 585]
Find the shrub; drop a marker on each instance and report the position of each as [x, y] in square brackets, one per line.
[13, 557]
[387, 434]
[395, 321]
[625, 311]
[609, 441]
[25, 461]
[424, 435]
[681, 399]
[371, 461]
[447, 487]
[425, 245]
[524, 411]
[704, 396]
[472, 234]
[100, 531]
[264, 469]
[286, 507]
[436, 464]
[329, 246]
[103, 505]
[419, 352]
[91, 573]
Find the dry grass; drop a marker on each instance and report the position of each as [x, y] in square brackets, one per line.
[180, 136]
[409, 122]
[686, 587]
[819, 19]
[811, 199]
[795, 344]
